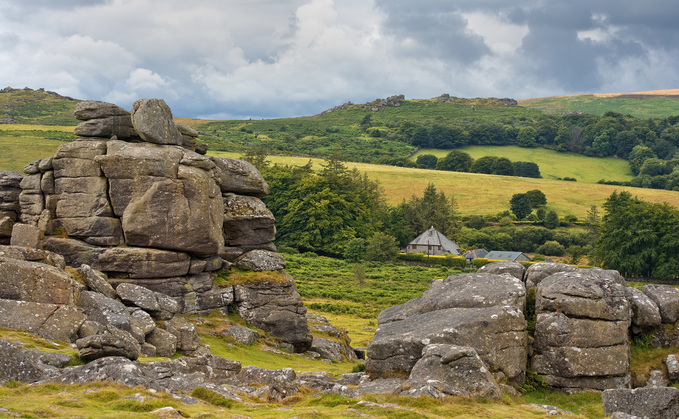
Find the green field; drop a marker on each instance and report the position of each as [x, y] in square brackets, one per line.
[640, 106]
[482, 194]
[552, 164]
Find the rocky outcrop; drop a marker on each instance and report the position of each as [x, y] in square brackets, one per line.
[581, 331]
[275, 306]
[10, 208]
[644, 402]
[480, 311]
[451, 370]
[136, 199]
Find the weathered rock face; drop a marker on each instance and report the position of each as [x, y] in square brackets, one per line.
[539, 271]
[462, 291]
[645, 402]
[581, 330]
[275, 307]
[666, 299]
[453, 370]
[136, 199]
[497, 333]
[10, 208]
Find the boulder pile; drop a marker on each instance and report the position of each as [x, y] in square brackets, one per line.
[468, 333]
[137, 199]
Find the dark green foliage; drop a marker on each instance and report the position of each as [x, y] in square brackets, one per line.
[355, 250]
[485, 164]
[323, 212]
[381, 247]
[503, 166]
[551, 220]
[455, 161]
[476, 222]
[432, 209]
[537, 198]
[520, 206]
[552, 248]
[639, 238]
[527, 169]
[427, 161]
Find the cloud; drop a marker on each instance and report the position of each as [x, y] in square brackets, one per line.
[266, 58]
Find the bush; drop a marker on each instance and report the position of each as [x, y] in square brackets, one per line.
[551, 220]
[552, 248]
[381, 247]
[355, 250]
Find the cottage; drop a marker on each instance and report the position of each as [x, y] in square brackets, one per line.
[433, 242]
[476, 253]
[510, 256]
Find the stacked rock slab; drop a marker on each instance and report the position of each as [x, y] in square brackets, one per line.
[581, 330]
[135, 198]
[10, 209]
[481, 312]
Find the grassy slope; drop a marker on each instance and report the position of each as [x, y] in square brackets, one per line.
[26, 106]
[639, 105]
[487, 194]
[552, 164]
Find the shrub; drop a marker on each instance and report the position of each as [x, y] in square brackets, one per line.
[382, 247]
[355, 250]
[552, 248]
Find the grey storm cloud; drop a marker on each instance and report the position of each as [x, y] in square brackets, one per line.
[266, 58]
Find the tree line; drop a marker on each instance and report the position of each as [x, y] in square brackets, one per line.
[341, 213]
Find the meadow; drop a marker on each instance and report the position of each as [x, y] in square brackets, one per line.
[482, 194]
[639, 105]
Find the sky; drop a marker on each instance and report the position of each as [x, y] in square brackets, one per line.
[240, 59]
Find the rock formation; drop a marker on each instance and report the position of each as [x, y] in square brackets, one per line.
[132, 199]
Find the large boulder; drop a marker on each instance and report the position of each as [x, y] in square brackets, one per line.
[103, 310]
[581, 330]
[645, 311]
[152, 119]
[113, 342]
[247, 221]
[666, 298]
[93, 109]
[453, 370]
[240, 177]
[36, 282]
[514, 269]
[464, 290]
[50, 321]
[539, 271]
[497, 333]
[24, 365]
[184, 214]
[276, 307]
[644, 402]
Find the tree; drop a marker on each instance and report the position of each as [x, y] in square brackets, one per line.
[552, 248]
[551, 220]
[382, 247]
[638, 156]
[503, 166]
[420, 138]
[537, 198]
[639, 238]
[519, 205]
[355, 250]
[527, 169]
[527, 137]
[485, 164]
[427, 160]
[455, 161]
[432, 209]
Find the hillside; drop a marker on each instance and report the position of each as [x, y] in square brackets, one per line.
[656, 103]
[28, 106]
